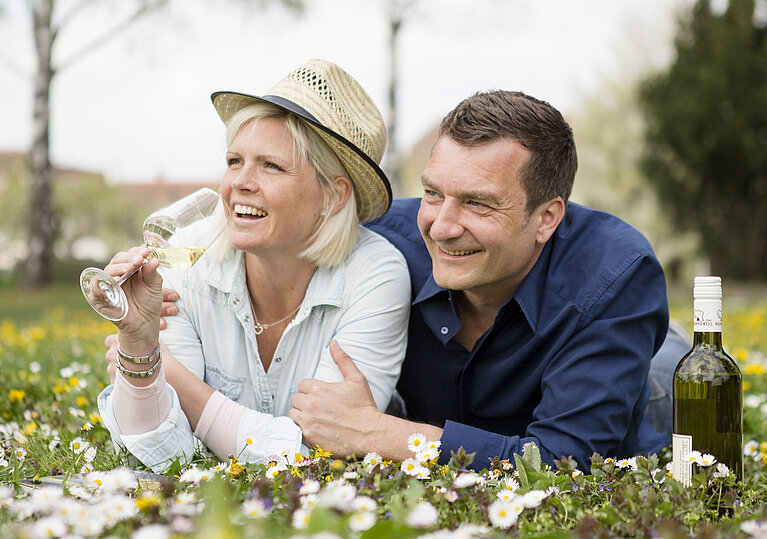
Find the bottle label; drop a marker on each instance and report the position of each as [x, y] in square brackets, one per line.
[681, 469]
[707, 315]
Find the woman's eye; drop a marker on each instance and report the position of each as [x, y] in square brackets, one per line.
[232, 161]
[273, 166]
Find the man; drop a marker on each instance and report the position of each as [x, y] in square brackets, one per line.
[533, 319]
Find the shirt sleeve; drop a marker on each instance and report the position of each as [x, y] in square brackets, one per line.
[373, 327]
[593, 387]
[156, 448]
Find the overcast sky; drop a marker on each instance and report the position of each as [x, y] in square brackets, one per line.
[138, 107]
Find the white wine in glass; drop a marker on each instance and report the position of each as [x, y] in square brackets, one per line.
[177, 235]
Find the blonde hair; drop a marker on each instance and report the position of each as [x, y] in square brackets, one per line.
[336, 236]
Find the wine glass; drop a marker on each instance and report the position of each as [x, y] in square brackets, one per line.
[178, 235]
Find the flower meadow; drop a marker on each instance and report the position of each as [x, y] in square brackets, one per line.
[61, 477]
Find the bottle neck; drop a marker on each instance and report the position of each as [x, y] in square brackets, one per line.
[707, 338]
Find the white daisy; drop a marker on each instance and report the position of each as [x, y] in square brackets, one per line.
[152, 531]
[301, 518]
[503, 514]
[364, 503]
[424, 515]
[78, 445]
[721, 470]
[372, 459]
[705, 460]
[254, 508]
[426, 455]
[509, 483]
[362, 520]
[416, 442]
[465, 480]
[692, 456]
[409, 466]
[49, 527]
[534, 498]
[310, 486]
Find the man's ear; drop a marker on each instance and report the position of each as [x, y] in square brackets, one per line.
[344, 187]
[550, 214]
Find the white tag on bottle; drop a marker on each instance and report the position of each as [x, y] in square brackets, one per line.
[681, 469]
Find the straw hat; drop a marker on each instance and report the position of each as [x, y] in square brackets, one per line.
[332, 103]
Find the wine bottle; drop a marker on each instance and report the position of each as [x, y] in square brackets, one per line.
[708, 391]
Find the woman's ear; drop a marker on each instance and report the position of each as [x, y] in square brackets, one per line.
[344, 188]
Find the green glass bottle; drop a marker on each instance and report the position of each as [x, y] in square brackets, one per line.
[708, 391]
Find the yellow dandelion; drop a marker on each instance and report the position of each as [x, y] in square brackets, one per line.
[236, 470]
[81, 401]
[741, 354]
[73, 381]
[16, 395]
[147, 501]
[37, 333]
[337, 465]
[754, 368]
[746, 385]
[295, 472]
[321, 453]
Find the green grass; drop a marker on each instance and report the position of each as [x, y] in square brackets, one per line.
[25, 307]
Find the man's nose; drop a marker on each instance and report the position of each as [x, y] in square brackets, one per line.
[446, 224]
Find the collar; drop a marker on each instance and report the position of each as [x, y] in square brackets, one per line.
[326, 286]
[528, 296]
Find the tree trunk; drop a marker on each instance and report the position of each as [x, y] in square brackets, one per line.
[392, 156]
[37, 270]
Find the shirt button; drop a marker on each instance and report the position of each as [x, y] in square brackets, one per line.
[246, 318]
[236, 301]
[278, 359]
[444, 330]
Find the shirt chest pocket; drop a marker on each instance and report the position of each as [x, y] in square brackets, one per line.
[226, 384]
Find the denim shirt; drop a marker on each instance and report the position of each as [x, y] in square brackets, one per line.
[362, 303]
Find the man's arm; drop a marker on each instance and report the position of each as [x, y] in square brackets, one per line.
[342, 417]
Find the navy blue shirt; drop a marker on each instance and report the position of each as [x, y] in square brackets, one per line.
[565, 363]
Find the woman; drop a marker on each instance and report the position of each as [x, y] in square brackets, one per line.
[295, 272]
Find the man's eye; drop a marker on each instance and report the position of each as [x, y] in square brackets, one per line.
[429, 193]
[476, 204]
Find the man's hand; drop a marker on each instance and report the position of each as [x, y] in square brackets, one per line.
[169, 299]
[340, 416]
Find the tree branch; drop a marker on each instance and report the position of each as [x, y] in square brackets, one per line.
[69, 16]
[145, 8]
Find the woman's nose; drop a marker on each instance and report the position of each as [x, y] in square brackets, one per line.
[244, 179]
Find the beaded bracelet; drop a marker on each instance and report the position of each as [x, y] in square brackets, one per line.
[140, 374]
[139, 359]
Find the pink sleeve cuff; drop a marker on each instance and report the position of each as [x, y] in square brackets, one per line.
[218, 425]
[140, 409]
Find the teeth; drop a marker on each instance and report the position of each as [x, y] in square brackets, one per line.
[459, 253]
[249, 210]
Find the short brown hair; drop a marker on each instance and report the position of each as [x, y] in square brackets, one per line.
[494, 115]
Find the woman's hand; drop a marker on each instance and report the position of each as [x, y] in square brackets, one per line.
[139, 330]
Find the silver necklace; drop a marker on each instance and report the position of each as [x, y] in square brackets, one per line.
[259, 327]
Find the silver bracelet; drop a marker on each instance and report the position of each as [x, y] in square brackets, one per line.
[139, 359]
[140, 374]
